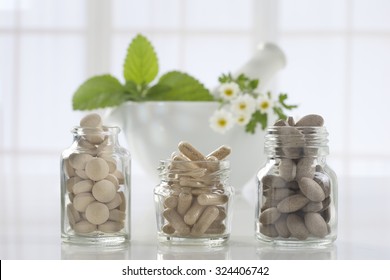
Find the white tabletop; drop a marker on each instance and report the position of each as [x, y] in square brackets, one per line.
[30, 226]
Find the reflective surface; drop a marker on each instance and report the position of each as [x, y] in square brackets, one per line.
[30, 226]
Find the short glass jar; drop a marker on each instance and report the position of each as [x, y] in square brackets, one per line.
[297, 190]
[193, 202]
[95, 188]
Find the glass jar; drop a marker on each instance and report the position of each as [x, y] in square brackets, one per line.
[193, 202]
[95, 188]
[297, 190]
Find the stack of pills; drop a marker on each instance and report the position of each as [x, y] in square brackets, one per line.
[93, 182]
[195, 203]
[296, 191]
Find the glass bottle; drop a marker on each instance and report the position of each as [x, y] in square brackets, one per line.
[95, 188]
[193, 202]
[297, 190]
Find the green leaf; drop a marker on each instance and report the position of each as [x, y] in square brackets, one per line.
[99, 92]
[257, 117]
[133, 91]
[280, 113]
[141, 63]
[282, 99]
[253, 84]
[225, 78]
[178, 86]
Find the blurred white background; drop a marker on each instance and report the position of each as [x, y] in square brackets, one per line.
[338, 62]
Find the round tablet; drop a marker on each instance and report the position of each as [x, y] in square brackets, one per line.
[82, 200]
[78, 161]
[111, 226]
[84, 227]
[104, 191]
[117, 201]
[82, 186]
[96, 169]
[97, 213]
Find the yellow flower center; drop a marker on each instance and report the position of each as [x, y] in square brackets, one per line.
[264, 105]
[242, 106]
[241, 119]
[228, 92]
[222, 122]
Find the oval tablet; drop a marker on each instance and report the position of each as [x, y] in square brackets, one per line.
[311, 189]
[316, 224]
[296, 226]
[269, 216]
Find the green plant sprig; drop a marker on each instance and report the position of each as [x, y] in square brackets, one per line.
[140, 69]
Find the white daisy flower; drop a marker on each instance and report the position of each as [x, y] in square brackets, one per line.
[264, 104]
[221, 121]
[229, 91]
[243, 105]
[243, 119]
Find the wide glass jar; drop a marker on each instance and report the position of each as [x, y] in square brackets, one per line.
[95, 188]
[193, 202]
[297, 190]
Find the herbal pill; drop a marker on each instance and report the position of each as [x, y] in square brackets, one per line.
[78, 161]
[97, 213]
[91, 120]
[312, 207]
[69, 171]
[118, 201]
[305, 168]
[297, 227]
[269, 216]
[97, 169]
[117, 215]
[287, 169]
[82, 200]
[184, 203]
[84, 227]
[110, 162]
[281, 227]
[212, 164]
[278, 194]
[176, 221]
[217, 229]
[281, 123]
[171, 202]
[82, 186]
[168, 229]
[187, 182]
[71, 182]
[193, 213]
[212, 199]
[113, 180]
[290, 121]
[220, 153]
[189, 151]
[119, 175]
[323, 180]
[73, 215]
[110, 227]
[292, 203]
[311, 189]
[204, 222]
[316, 224]
[269, 230]
[104, 191]
[180, 162]
[310, 120]
[81, 174]
[326, 203]
[84, 144]
[274, 181]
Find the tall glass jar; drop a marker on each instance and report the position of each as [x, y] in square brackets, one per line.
[193, 202]
[95, 188]
[297, 190]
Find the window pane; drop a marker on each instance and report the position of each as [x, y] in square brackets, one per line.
[314, 78]
[370, 95]
[6, 91]
[373, 14]
[312, 14]
[219, 14]
[54, 14]
[52, 67]
[207, 57]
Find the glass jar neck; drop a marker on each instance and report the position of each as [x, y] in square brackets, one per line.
[296, 142]
[96, 136]
[174, 171]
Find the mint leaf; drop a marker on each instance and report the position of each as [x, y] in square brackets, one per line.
[99, 92]
[178, 86]
[257, 117]
[141, 63]
[282, 99]
[133, 92]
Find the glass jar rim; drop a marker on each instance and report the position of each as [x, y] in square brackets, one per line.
[104, 130]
